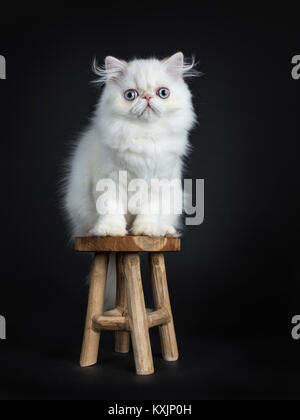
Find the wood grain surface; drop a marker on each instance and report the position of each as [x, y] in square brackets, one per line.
[127, 244]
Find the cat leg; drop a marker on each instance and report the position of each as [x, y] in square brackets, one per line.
[111, 220]
[160, 211]
[171, 210]
[146, 222]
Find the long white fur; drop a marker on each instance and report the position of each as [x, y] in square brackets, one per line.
[125, 136]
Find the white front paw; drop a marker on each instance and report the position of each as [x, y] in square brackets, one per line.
[145, 229]
[109, 228]
[167, 230]
[153, 229]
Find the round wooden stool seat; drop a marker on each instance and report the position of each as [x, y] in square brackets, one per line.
[127, 244]
[130, 318]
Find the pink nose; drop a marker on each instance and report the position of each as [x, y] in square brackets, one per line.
[148, 96]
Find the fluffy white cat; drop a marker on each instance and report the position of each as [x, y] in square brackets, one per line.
[140, 126]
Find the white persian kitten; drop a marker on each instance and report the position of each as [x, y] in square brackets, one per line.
[140, 126]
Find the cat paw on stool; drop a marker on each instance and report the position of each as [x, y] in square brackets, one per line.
[108, 229]
[153, 229]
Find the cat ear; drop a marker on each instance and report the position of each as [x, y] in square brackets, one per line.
[175, 64]
[114, 67]
[111, 71]
[179, 67]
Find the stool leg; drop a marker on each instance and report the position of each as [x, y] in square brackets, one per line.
[162, 300]
[91, 340]
[122, 339]
[137, 315]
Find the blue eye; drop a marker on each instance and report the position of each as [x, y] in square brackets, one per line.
[131, 95]
[163, 93]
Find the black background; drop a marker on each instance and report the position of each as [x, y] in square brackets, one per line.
[235, 286]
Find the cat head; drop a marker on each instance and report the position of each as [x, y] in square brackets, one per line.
[146, 89]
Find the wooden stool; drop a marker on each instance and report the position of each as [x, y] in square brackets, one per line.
[130, 315]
